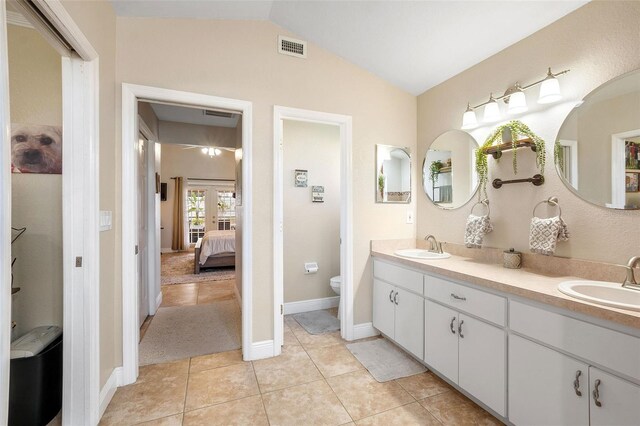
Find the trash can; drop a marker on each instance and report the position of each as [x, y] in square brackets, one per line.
[35, 381]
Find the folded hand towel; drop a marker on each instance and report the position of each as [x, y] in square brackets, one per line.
[475, 230]
[545, 233]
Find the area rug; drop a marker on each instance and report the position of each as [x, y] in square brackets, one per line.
[384, 360]
[177, 268]
[185, 331]
[317, 322]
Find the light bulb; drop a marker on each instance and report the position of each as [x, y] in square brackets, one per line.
[469, 120]
[549, 89]
[205, 150]
[212, 152]
[491, 111]
[517, 102]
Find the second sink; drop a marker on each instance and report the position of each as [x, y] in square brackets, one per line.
[421, 254]
[602, 293]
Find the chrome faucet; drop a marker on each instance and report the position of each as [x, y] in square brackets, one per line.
[435, 246]
[630, 281]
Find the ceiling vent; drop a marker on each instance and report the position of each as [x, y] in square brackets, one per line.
[292, 47]
[221, 114]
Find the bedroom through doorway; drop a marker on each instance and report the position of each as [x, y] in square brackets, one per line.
[191, 179]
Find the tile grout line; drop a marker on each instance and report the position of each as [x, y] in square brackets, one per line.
[264, 408]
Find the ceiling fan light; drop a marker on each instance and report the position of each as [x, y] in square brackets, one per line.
[549, 90]
[211, 152]
[217, 151]
[205, 150]
[517, 102]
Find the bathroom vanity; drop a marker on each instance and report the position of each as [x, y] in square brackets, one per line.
[510, 340]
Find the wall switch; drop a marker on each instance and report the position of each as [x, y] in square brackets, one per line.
[409, 216]
[105, 220]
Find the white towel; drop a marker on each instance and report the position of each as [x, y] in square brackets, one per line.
[545, 233]
[477, 227]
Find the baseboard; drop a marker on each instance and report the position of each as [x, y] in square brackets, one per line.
[364, 330]
[166, 250]
[261, 350]
[109, 389]
[311, 305]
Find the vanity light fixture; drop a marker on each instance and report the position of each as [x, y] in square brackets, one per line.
[515, 98]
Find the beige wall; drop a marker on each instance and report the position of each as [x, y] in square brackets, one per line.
[97, 21]
[194, 134]
[238, 59]
[35, 85]
[149, 117]
[597, 42]
[311, 230]
[178, 161]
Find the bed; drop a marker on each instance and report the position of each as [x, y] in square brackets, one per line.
[216, 249]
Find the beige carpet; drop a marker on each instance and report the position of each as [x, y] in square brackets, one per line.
[180, 332]
[177, 268]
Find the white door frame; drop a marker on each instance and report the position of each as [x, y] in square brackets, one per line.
[131, 94]
[80, 196]
[618, 193]
[346, 215]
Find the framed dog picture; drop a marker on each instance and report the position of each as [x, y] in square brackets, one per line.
[36, 149]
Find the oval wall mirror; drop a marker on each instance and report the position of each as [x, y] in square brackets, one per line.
[393, 174]
[449, 175]
[597, 151]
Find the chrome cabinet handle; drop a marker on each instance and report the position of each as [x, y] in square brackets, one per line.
[451, 325]
[391, 296]
[460, 328]
[395, 298]
[455, 296]
[576, 383]
[596, 393]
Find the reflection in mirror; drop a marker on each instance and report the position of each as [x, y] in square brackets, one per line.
[393, 174]
[449, 175]
[597, 152]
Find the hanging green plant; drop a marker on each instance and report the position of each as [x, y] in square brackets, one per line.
[434, 170]
[381, 179]
[517, 129]
[558, 156]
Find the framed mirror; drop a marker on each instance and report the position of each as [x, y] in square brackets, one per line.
[597, 151]
[449, 175]
[393, 174]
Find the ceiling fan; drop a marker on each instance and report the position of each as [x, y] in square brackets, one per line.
[211, 151]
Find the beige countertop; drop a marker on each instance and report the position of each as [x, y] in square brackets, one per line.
[531, 284]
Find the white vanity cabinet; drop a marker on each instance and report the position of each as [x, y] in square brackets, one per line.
[618, 401]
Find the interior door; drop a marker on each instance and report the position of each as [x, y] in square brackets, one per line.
[142, 252]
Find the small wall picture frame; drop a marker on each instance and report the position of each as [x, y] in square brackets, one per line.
[317, 194]
[632, 182]
[301, 178]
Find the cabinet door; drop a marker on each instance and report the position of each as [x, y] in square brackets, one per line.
[383, 307]
[482, 362]
[619, 400]
[441, 337]
[542, 386]
[409, 332]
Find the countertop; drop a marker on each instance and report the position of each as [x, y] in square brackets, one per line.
[526, 283]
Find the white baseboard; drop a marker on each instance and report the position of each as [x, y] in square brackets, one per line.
[364, 330]
[261, 350]
[166, 250]
[311, 305]
[109, 389]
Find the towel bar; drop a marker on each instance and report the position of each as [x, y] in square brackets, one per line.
[537, 180]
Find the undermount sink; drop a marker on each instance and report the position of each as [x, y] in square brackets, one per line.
[602, 293]
[421, 254]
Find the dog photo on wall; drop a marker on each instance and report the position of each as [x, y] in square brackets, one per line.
[36, 149]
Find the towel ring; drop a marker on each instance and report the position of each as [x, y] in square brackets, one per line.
[484, 203]
[552, 201]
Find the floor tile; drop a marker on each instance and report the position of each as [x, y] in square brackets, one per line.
[308, 404]
[146, 401]
[290, 339]
[363, 396]
[155, 373]
[424, 385]
[175, 420]
[179, 294]
[246, 411]
[222, 359]
[216, 291]
[315, 340]
[410, 414]
[220, 385]
[452, 408]
[292, 367]
[334, 360]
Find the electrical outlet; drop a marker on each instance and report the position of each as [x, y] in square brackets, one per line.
[409, 216]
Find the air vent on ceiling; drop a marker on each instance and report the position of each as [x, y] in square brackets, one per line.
[292, 47]
[221, 114]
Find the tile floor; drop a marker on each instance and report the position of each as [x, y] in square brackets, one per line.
[316, 381]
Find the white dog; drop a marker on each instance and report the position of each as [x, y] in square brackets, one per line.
[36, 149]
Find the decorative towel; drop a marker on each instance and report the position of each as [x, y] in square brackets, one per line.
[545, 233]
[477, 227]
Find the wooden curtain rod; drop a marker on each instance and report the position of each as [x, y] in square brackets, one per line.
[216, 180]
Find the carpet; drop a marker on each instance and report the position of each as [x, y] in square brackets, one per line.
[185, 331]
[177, 268]
[317, 322]
[384, 360]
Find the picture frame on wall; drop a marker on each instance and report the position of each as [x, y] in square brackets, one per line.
[300, 178]
[632, 179]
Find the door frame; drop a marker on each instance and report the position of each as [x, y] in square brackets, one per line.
[131, 94]
[344, 123]
[80, 213]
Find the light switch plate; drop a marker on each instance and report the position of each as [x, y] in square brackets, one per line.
[105, 220]
[409, 216]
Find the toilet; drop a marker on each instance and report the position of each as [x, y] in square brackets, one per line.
[335, 286]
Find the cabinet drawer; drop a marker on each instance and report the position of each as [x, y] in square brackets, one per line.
[612, 349]
[476, 302]
[397, 275]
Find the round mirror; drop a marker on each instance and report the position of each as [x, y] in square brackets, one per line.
[449, 175]
[597, 151]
